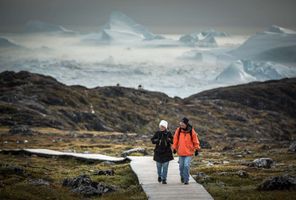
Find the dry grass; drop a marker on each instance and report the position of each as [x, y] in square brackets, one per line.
[14, 186]
[220, 186]
[232, 186]
[17, 186]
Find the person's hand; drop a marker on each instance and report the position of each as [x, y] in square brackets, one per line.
[196, 153]
[174, 151]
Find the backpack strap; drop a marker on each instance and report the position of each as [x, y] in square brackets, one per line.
[179, 132]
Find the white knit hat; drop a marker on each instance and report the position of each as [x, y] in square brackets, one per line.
[163, 123]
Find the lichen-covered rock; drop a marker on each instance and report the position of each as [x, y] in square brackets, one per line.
[262, 163]
[108, 172]
[84, 185]
[285, 182]
[240, 173]
[39, 182]
[201, 177]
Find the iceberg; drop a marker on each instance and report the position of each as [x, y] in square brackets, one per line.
[278, 29]
[235, 74]
[36, 26]
[264, 71]
[271, 45]
[199, 39]
[121, 28]
[214, 33]
[243, 71]
[207, 41]
[7, 43]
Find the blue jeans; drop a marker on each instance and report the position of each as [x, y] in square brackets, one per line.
[162, 169]
[184, 167]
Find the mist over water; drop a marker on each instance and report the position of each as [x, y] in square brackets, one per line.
[126, 53]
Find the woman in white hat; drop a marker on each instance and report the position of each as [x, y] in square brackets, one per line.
[163, 140]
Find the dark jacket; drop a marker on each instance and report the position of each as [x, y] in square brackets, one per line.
[163, 141]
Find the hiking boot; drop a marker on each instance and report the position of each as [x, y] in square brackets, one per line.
[159, 179]
[164, 182]
[182, 180]
[186, 183]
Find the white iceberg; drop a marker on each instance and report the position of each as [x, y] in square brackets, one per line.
[198, 39]
[276, 44]
[207, 41]
[7, 43]
[244, 71]
[278, 29]
[235, 74]
[263, 71]
[214, 33]
[121, 28]
[36, 26]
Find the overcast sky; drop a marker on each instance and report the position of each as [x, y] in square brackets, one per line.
[160, 16]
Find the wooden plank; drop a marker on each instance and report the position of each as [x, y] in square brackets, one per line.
[145, 169]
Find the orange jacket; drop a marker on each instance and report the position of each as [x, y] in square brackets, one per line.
[183, 144]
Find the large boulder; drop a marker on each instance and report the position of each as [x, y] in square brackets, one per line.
[262, 163]
[278, 183]
[85, 186]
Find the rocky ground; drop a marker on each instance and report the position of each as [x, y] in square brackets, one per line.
[32, 177]
[247, 134]
[256, 110]
[227, 172]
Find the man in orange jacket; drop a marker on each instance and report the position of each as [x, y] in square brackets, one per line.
[186, 144]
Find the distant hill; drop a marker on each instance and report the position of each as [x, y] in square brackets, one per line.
[278, 96]
[255, 110]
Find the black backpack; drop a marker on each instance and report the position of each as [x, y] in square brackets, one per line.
[189, 132]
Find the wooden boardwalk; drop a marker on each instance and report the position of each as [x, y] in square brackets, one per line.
[145, 169]
[80, 156]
